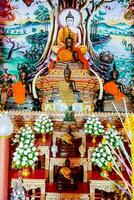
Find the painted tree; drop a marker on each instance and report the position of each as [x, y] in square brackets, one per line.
[42, 15]
[98, 17]
[15, 46]
[88, 10]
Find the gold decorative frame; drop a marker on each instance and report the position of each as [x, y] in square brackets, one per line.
[67, 196]
[44, 150]
[33, 184]
[89, 154]
[107, 186]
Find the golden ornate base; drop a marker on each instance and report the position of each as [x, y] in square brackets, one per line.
[44, 139]
[94, 139]
[104, 173]
[26, 171]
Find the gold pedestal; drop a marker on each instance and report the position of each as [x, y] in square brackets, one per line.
[26, 171]
[104, 173]
[94, 139]
[44, 139]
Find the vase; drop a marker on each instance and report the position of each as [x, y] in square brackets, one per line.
[104, 173]
[26, 171]
[44, 139]
[82, 150]
[54, 150]
[94, 139]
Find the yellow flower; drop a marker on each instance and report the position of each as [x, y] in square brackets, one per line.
[104, 140]
[108, 125]
[109, 164]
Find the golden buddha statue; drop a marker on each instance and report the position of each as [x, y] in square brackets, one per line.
[67, 87]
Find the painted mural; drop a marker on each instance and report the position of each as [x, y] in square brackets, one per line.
[27, 26]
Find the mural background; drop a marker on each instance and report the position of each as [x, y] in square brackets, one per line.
[24, 36]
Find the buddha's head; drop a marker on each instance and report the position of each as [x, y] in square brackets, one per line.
[114, 73]
[67, 162]
[67, 73]
[69, 42]
[69, 19]
[23, 74]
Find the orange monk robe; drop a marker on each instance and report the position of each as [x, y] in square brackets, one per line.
[63, 33]
[67, 55]
[112, 88]
[19, 92]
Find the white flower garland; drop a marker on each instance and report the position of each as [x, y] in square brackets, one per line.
[26, 153]
[43, 124]
[112, 137]
[102, 157]
[93, 126]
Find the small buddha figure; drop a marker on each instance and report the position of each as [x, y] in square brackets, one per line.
[65, 180]
[6, 81]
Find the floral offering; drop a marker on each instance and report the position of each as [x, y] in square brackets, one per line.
[102, 157]
[26, 153]
[43, 124]
[93, 126]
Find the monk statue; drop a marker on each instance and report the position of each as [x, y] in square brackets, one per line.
[69, 53]
[111, 87]
[68, 145]
[64, 178]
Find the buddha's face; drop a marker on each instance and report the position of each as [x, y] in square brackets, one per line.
[67, 163]
[69, 22]
[67, 76]
[23, 76]
[115, 75]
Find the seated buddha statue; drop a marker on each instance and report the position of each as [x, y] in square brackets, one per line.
[74, 33]
[64, 178]
[22, 87]
[68, 145]
[69, 46]
[111, 87]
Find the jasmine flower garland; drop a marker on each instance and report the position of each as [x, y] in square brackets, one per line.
[43, 124]
[102, 157]
[93, 126]
[26, 153]
[112, 137]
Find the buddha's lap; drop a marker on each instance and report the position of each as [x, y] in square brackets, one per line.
[62, 53]
[65, 55]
